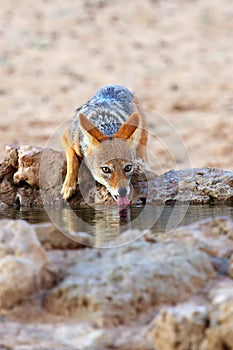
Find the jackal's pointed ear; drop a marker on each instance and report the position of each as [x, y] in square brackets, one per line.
[131, 129]
[90, 131]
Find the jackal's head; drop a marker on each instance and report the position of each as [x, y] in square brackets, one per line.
[111, 159]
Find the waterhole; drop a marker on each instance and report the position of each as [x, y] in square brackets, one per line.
[106, 223]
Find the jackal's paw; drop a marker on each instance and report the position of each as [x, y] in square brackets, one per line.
[68, 190]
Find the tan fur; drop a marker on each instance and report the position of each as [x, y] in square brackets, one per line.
[118, 178]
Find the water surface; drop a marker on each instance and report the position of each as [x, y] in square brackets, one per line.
[107, 222]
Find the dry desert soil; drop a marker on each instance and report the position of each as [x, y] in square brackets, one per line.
[176, 55]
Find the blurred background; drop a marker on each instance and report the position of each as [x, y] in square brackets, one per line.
[176, 55]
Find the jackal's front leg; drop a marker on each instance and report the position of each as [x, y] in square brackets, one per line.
[70, 183]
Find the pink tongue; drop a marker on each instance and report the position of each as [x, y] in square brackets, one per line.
[123, 201]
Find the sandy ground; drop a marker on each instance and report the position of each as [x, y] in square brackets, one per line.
[176, 55]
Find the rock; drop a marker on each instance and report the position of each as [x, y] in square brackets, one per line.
[37, 167]
[221, 265]
[28, 165]
[230, 268]
[136, 338]
[181, 327]
[18, 280]
[214, 236]
[3, 205]
[189, 326]
[207, 326]
[103, 284]
[24, 266]
[52, 238]
[22, 170]
[33, 176]
[7, 169]
[83, 336]
[162, 293]
[219, 335]
[30, 336]
[198, 186]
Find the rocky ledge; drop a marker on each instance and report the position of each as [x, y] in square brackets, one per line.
[171, 292]
[32, 177]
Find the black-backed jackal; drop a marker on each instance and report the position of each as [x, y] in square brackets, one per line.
[108, 133]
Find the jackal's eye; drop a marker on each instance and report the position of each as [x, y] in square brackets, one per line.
[106, 170]
[128, 168]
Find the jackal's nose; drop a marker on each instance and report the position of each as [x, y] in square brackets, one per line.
[122, 191]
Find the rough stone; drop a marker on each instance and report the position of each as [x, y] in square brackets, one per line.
[230, 268]
[52, 238]
[204, 185]
[214, 236]
[19, 336]
[219, 335]
[72, 335]
[84, 337]
[37, 167]
[101, 284]
[189, 326]
[32, 177]
[28, 165]
[18, 279]
[181, 327]
[106, 299]
[24, 265]
[22, 170]
[7, 169]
